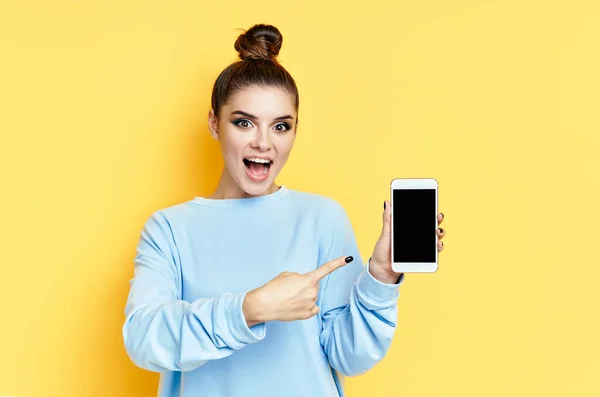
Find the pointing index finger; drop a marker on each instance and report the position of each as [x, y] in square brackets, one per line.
[330, 266]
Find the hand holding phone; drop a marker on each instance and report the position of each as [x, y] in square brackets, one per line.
[414, 225]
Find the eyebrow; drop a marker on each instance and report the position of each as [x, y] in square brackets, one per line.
[250, 116]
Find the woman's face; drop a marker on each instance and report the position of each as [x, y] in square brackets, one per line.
[256, 129]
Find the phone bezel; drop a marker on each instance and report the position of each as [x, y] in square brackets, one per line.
[407, 184]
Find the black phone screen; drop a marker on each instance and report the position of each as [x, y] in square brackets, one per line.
[414, 223]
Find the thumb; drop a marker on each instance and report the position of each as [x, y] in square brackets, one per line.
[387, 217]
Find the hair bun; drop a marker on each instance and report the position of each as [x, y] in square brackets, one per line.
[259, 42]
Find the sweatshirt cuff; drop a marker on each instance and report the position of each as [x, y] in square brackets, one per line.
[374, 293]
[240, 332]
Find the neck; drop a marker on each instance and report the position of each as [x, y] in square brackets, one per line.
[227, 188]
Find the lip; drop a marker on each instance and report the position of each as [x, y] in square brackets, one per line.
[258, 157]
[254, 178]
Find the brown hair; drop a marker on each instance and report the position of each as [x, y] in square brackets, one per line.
[258, 49]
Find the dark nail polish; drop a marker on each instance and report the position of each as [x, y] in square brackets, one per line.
[441, 230]
[349, 259]
[441, 213]
[384, 205]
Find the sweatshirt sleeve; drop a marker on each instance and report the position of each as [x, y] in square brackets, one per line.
[162, 332]
[359, 313]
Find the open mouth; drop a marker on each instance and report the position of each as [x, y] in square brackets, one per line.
[257, 166]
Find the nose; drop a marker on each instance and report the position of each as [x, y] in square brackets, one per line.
[262, 140]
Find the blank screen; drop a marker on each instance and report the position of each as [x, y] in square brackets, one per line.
[414, 225]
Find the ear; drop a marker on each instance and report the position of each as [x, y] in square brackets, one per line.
[213, 124]
[295, 131]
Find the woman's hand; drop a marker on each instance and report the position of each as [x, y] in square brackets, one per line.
[289, 296]
[381, 260]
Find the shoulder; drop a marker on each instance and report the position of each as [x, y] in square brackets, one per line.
[326, 208]
[166, 217]
[314, 200]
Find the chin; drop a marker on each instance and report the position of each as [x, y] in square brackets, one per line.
[256, 189]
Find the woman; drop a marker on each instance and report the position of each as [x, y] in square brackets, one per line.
[258, 290]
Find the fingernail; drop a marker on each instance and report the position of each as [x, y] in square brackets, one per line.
[442, 243]
[349, 259]
[441, 230]
[441, 213]
[384, 205]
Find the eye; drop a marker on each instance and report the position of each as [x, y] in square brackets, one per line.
[243, 123]
[282, 127]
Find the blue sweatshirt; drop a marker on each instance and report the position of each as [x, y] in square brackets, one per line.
[196, 261]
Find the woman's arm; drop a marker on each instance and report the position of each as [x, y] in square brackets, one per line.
[359, 313]
[164, 333]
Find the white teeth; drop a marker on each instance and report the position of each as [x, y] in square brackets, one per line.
[257, 160]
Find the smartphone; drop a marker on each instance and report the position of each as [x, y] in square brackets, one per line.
[414, 225]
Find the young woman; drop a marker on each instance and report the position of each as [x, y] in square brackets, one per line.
[258, 290]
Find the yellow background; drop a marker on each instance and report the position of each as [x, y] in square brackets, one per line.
[103, 110]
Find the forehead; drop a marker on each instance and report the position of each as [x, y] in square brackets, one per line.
[263, 102]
